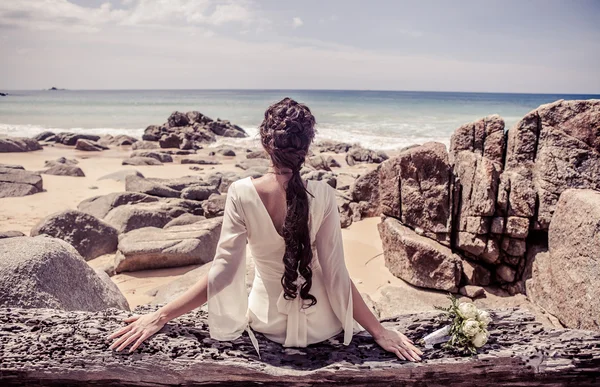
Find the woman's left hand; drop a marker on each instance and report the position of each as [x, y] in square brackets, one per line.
[397, 343]
[141, 328]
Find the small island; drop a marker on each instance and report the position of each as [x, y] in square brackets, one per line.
[55, 89]
[3, 94]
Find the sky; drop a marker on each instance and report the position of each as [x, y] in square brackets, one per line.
[543, 46]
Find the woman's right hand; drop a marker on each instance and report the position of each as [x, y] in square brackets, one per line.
[139, 329]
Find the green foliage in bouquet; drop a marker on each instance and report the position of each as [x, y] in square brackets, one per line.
[468, 330]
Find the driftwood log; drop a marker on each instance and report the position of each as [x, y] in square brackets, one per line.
[44, 347]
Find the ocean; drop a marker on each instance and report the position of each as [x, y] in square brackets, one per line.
[376, 119]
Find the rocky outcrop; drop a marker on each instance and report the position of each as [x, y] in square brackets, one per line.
[89, 146]
[520, 352]
[190, 130]
[19, 182]
[491, 198]
[565, 279]
[44, 272]
[559, 145]
[152, 248]
[18, 144]
[90, 236]
[365, 192]
[419, 260]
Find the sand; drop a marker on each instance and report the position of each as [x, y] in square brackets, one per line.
[362, 246]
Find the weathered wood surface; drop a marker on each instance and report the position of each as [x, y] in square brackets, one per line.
[58, 348]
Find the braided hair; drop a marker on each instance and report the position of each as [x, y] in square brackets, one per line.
[286, 134]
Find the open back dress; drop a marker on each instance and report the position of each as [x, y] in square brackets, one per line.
[231, 310]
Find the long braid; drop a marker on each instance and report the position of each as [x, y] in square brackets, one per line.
[286, 134]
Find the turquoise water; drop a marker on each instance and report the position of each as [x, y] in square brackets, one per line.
[377, 119]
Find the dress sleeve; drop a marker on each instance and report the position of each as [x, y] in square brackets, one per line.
[330, 252]
[227, 297]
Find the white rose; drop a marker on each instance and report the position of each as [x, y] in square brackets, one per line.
[480, 339]
[471, 328]
[484, 317]
[468, 310]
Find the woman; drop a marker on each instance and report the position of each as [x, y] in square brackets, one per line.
[302, 293]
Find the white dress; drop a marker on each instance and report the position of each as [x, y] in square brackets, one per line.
[265, 310]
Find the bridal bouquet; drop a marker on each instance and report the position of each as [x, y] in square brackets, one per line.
[468, 330]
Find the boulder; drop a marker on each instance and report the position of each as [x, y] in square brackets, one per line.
[333, 146]
[565, 279]
[214, 206]
[131, 217]
[45, 136]
[418, 260]
[318, 162]
[10, 234]
[64, 170]
[12, 166]
[198, 192]
[121, 175]
[185, 219]
[329, 177]
[45, 272]
[177, 119]
[89, 146]
[484, 137]
[90, 236]
[170, 140]
[332, 162]
[472, 292]
[366, 189]
[141, 161]
[152, 248]
[358, 155]
[259, 154]
[258, 164]
[68, 138]
[18, 144]
[118, 140]
[100, 206]
[150, 187]
[475, 274]
[18, 182]
[559, 144]
[60, 161]
[226, 152]
[199, 160]
[415, 188]
[145, 145]
[160, 156]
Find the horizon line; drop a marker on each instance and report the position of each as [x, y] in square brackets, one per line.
[294, 89]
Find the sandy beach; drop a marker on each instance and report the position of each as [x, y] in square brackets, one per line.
[362, 244]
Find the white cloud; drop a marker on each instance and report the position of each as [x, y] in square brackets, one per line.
[64, 15]
[297, 22]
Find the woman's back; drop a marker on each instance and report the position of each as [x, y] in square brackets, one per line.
[291, 322]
